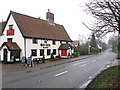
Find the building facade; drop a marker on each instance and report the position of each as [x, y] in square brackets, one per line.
[75, 43]
[24, 35]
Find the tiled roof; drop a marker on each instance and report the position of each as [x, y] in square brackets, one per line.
[65, 46]
[75, 42]
[34, 27]
[11, 46]
[2, 24]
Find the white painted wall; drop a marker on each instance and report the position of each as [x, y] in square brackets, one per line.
[17, 37]
[30, 45]
[8, 54]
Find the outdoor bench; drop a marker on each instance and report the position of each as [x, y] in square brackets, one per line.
[37, 59]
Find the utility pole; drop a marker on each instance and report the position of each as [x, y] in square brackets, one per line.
[79, 43]
[88, 45]
[79, 38]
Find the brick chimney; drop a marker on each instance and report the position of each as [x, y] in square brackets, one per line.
[50, 17]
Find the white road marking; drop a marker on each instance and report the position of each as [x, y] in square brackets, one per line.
[108, 66]
[85, 84]
[83, 65]
[94, 61]
[60, 73]
[76, 63]
[90, 77]
[99, 71]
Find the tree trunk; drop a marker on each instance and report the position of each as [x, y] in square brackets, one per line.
[118, 44]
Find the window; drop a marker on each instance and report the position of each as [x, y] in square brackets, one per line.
[16, 54]
[48, 52]
[34, 52]
[41, 52]
[9, 39]
[54, 51]
[34, 41]
[53, 42]
[10, 27]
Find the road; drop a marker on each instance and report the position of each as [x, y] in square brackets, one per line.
[69, 75]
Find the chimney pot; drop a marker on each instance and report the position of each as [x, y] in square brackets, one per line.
[50, 17]
[48, 10]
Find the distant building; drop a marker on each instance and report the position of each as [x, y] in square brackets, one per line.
[25, 36]
[75, 43]
[99, 45]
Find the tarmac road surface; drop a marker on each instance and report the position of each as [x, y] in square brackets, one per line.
[69, 75]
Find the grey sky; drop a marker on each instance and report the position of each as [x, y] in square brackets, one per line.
[67, 12]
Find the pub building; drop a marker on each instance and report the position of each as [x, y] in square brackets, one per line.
[23, 36]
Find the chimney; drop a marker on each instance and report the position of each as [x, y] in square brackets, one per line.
[50, 17]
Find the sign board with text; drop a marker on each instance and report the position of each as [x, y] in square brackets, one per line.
[10, 32]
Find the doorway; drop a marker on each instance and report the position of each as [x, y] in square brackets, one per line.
[63, 52]
[5, 55]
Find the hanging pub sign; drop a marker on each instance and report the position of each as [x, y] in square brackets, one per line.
[10, 32]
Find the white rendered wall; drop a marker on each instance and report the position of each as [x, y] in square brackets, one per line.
[8, 54]
[17, 37]
[30, 45]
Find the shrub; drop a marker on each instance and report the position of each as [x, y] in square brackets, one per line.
[31, 56]
[118, 57]
[43, 57]
[52, 56]
[94, 50]
[76, 49]
[84, 51]
[76, 54]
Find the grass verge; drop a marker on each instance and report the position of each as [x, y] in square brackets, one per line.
[109, 78]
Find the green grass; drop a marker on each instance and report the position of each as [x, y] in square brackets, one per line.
[118, 56]
[109, 78]
[115, 51]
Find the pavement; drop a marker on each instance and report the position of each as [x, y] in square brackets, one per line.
[18, 68]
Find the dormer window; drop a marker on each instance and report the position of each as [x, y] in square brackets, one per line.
[9, 39]
[10, 27]
[35, 41]
[53, 42]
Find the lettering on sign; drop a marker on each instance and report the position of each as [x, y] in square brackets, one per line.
[10, 32]
[45, 45]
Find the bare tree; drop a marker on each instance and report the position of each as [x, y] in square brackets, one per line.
[107, 15]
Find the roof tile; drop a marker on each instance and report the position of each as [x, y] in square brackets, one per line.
[34, 27]
[12, 45]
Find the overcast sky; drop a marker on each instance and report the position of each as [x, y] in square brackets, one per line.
[66, 12]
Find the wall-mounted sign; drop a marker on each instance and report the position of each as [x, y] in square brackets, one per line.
[45, 45]
[10, 32]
